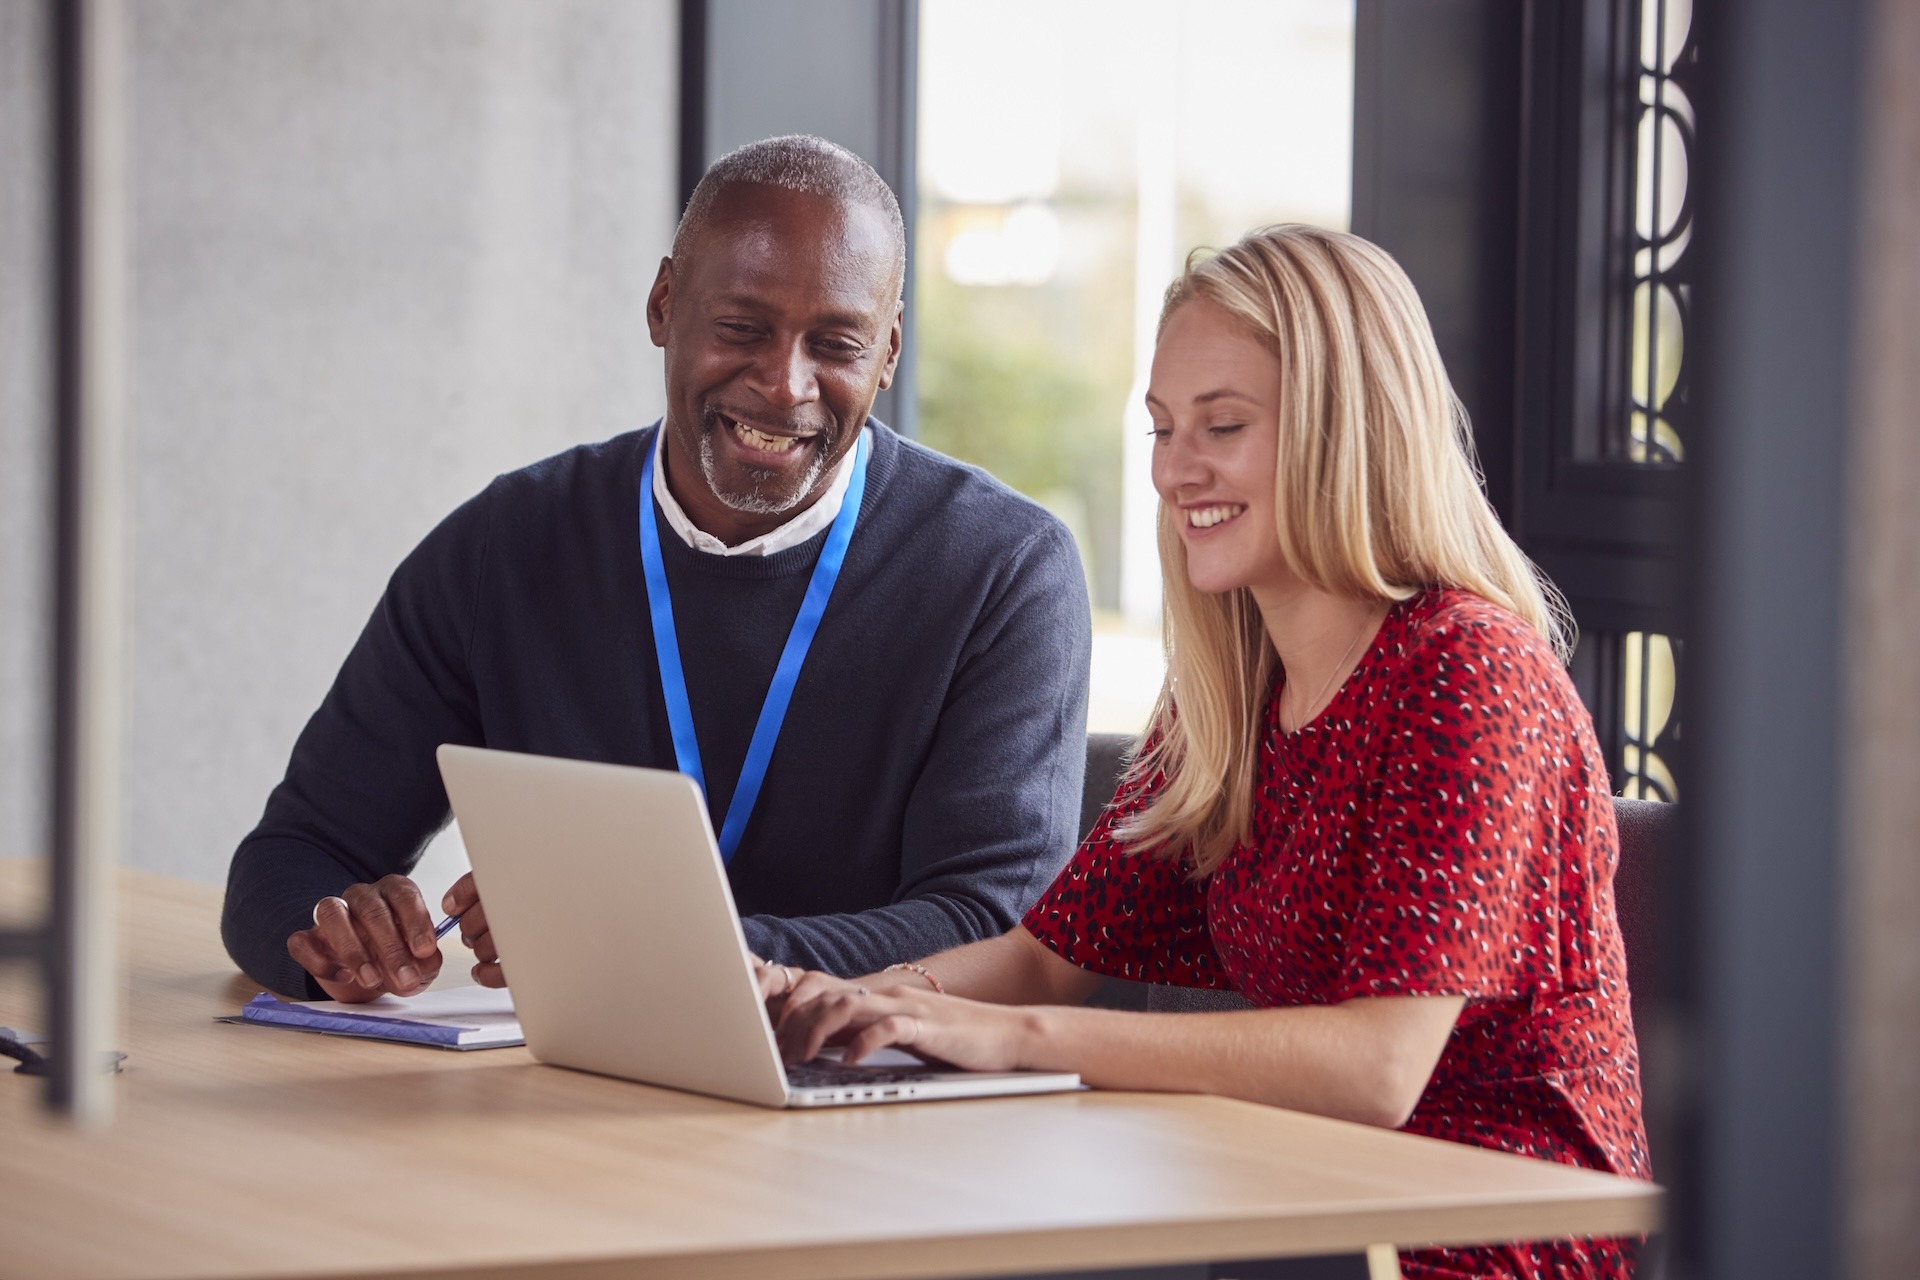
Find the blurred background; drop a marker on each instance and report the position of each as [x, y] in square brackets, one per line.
[378, 253]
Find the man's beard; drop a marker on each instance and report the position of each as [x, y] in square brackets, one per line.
[761, 498]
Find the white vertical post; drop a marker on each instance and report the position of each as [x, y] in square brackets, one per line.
[1153, 255]
[91, 549]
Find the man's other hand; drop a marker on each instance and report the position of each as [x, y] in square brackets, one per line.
[463, 900]
[372, 940]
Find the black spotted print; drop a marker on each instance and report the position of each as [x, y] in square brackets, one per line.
[1444, 827]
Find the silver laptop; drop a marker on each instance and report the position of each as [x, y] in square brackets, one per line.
[606, 895]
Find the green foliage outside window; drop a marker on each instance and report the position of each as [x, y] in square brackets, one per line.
[1030, 384]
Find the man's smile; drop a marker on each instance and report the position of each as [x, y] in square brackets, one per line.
[765, 445]
[762, 440]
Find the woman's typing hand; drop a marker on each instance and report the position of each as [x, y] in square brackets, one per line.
[897, 1009]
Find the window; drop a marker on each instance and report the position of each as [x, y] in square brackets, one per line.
[1650, 427]
[1624, 438]
[1529, 165]
[1070, 154]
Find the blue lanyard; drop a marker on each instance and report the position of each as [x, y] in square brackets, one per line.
[773, 712]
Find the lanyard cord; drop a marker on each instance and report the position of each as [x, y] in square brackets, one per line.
[773, 712]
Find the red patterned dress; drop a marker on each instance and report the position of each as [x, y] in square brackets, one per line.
[1443, 828]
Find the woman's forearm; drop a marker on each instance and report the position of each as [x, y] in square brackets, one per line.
[1366, 1060]
[1014, 968]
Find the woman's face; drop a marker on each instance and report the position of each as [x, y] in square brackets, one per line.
[1215, 400]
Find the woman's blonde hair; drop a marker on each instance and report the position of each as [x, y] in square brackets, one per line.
[1378, 497]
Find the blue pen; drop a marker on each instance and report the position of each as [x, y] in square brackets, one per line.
[445, 927]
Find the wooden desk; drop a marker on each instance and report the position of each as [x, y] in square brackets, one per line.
[246, 1151]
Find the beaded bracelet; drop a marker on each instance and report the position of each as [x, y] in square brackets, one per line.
[922, 970]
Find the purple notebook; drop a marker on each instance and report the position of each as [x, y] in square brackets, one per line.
[454, 1018]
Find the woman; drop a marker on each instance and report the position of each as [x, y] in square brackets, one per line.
[1370, 802]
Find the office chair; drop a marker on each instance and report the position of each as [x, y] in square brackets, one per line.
[1647, 832]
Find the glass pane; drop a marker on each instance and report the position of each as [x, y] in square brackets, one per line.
[1647, 702]
[1071, 154]
[1644, 422]
[1662, 233]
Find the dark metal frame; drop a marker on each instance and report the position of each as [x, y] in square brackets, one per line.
[1605, 526]
[899, 107]
[693, 158]
[1608, 532]
[1436, 181]
[1494, 152]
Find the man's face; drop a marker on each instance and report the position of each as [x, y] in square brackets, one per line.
[780, 321]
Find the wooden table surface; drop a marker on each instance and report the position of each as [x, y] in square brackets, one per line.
[249, 1151]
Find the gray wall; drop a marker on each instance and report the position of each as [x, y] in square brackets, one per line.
[382, 252]
[23, 386]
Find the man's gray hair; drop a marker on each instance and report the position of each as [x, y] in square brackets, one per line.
[798, 162]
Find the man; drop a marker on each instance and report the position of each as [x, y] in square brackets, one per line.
[924, 783]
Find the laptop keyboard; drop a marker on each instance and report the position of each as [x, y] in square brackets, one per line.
[824, 1073]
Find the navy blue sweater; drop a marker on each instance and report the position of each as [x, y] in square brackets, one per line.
[926, 784]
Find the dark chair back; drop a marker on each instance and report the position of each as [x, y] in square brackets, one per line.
[1108, 755]
[1647, 832]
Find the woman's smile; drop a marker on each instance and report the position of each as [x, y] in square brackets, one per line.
[1202, 520]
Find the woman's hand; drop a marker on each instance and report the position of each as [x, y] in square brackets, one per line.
[863, 1018]
[780, 983]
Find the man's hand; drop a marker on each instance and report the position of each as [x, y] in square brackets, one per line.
[371, 940]
[463, 900]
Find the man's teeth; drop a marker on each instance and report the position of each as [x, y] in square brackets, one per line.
[761, 440]
[1207, 517]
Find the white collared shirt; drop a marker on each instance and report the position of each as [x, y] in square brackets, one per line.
[791, 534]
